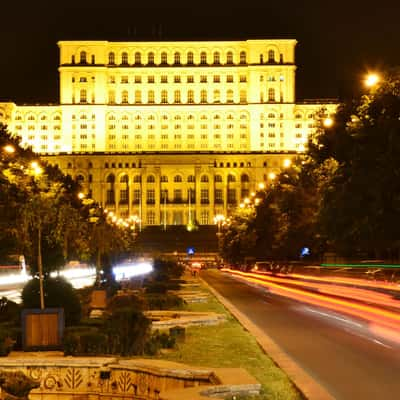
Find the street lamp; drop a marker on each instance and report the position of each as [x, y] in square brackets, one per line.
[218, 220]
[9, 149]
[371, 80]
[328, 122]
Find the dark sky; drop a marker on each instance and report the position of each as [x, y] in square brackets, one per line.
[338, 41]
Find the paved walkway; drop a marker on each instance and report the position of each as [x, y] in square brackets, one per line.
[311, 389]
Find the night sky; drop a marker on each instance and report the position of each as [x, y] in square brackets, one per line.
[338, 42]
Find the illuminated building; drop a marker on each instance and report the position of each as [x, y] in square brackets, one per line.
[170, 131]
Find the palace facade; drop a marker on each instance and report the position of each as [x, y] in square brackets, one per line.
[171, 131]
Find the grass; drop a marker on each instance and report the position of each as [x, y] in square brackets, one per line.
[229, 345]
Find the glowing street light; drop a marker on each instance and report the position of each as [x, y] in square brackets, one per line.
[261, 186]
[328, 122]
[81, 196]
[271, 176]
[9, 149]
[37, 170]
[218, 220]
[371, 80]
[287, 162]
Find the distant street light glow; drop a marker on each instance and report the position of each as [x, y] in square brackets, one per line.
[371, 80]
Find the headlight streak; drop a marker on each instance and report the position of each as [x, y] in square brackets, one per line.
[380, 321]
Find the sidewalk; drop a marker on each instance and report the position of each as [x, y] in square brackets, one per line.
[311, 389]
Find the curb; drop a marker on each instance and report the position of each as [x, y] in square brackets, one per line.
[311, 389]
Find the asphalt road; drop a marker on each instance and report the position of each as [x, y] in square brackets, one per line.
[338, 351]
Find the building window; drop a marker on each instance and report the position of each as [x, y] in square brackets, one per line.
[218, 197]
[177, 79]
[150, 97]
[229, 78]
[217, 96]
[177, 178]
[203, 78]
[203, 58]
[232, 196]
[190, 79]
[138, 58]
[243, 96]
[164, 79]
[229, 58]
[242, 57]
[150, 58]
[150, 196]
[243, 78]
[177, 196]
[190, 58]
[150, 79]
[217, 58]
[204, 199]
[83, 96]
[124, 58]
[177, 96]
[190, 97]
[271, 56]
[271, 94]
[83, 57]
[111, 58]
[177, 58]
[164, 97]
[229, 96]
[138, 96]
[124, 97]
[216, 79]
[151, 218]
[124, 79]
[203, 96]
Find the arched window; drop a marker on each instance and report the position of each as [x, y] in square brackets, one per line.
[203, 57]
[93, 59]
[138, 58]
[217, 58]
[83, 96]
[83, 57]
[80, 179]
[271, 56]
[229, 96]
[191, 178]
[243, 96]
[190, 58]
[177, 58]
[271, 94]
[203, 96]
[151, 179]
[177, 96]
[110, 191]
[218, 178]
[242, 57]
[124, 58]
[150, 97]
[124, 179]
[111, 58]
[164, 178]
[138, 96]
[137, 179]
[177, 178]
[244, 178]
[124, 97]
[217, 96]
[164, 58]
[229, 57]
[150, 58]
[271, 115]
[231, 178]
[204, 179]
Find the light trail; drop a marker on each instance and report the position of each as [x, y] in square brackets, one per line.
[380, 320]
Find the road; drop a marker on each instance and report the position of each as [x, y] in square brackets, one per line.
[337, 350]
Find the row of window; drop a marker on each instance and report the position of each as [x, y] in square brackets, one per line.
[178, 59]
[176, 79]
[244, 178]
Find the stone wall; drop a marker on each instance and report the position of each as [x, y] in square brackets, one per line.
[96, 378]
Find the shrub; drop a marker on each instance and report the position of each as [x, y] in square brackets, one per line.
[157, 341]
[57, 293]
[166, 269]
[9, 311]
[84, 340]
[128, 331]
[126, 301]
[157, 301]
[8, 338]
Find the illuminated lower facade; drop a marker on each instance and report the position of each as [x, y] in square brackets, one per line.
[170, 131]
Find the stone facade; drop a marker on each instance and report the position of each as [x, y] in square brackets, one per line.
[109, 379]
[170, 131]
